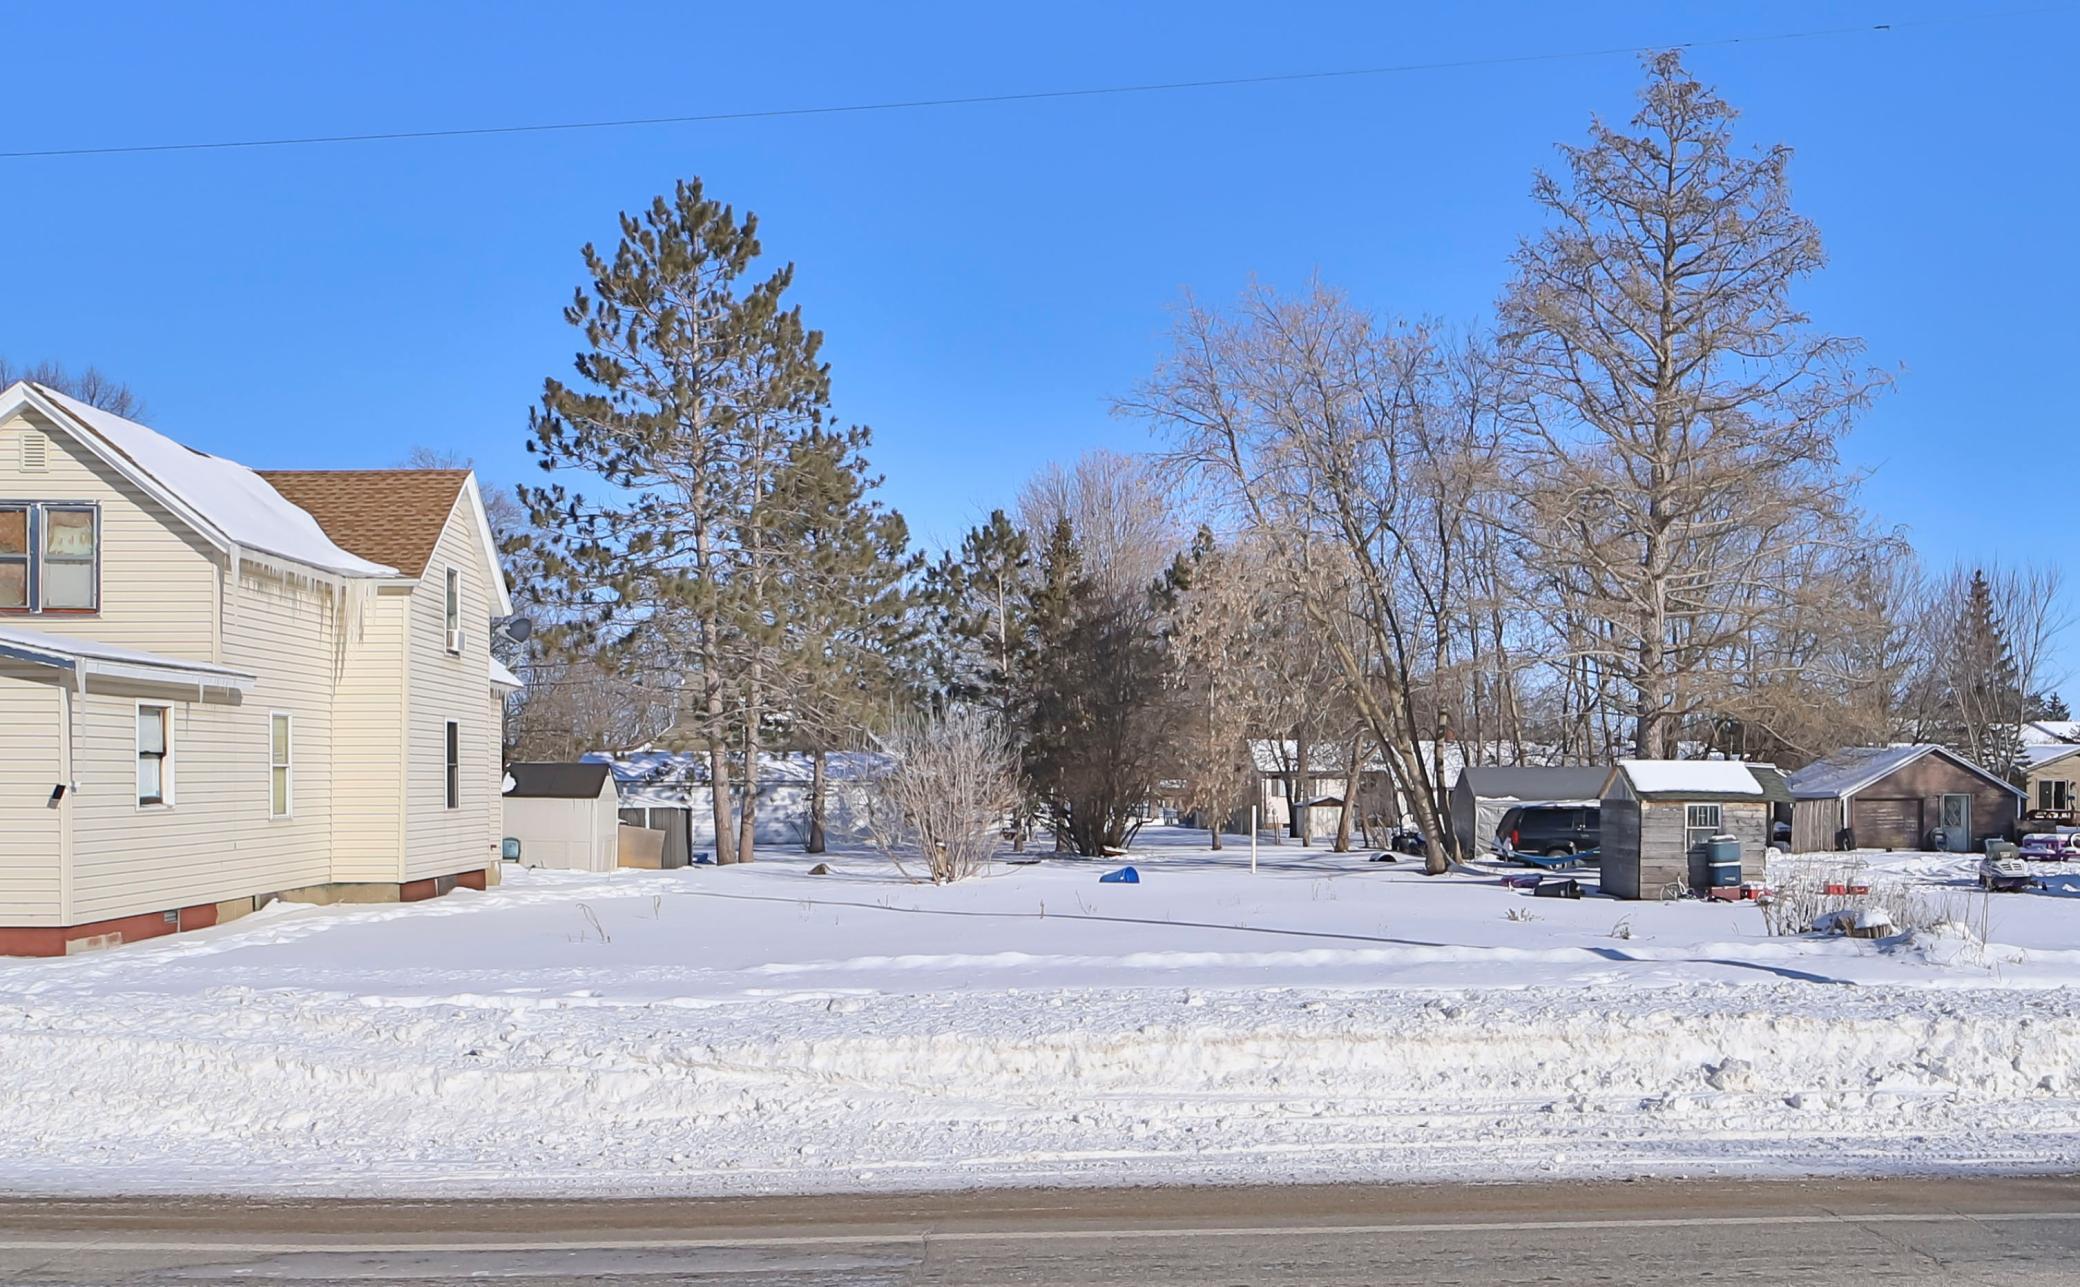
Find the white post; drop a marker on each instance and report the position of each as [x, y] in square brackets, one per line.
[1253, 840]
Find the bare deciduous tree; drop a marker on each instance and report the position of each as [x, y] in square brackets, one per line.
[1681, 416]
[90, 386]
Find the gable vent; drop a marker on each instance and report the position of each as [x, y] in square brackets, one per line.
[36, 452]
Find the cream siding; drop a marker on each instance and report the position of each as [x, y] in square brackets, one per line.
[368, 741]
[443, 686]
[217, 840]
[31, 832]
[566, 835]
[160, 583]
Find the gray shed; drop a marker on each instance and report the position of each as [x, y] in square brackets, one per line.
[1484, 792]
[1658, 814]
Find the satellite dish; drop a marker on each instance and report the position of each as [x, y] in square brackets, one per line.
[517, 629]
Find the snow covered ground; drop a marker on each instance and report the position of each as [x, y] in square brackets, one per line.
[757, 1029]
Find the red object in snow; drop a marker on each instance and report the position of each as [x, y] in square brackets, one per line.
[1837, 887]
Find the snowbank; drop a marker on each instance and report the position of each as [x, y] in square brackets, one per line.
[751, 1030]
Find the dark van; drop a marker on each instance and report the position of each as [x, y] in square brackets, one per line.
[1555, 830]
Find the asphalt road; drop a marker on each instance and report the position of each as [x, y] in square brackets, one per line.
[1950, 1232]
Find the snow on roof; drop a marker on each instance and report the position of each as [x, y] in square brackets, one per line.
[91, 656]
[237, 502]
[503, 677]
[2051, 732]
[1692, 777]
[2034, 757]
[1846, 772]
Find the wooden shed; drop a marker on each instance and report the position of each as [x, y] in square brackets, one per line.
[1895, 797]
[1658, 814]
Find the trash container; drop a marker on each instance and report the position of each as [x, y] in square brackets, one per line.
[1722, 856]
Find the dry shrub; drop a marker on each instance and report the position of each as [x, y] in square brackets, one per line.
[950, 783]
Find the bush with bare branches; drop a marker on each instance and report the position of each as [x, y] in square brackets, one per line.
[950, 783]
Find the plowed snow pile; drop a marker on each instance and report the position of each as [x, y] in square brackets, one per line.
[759, 1029]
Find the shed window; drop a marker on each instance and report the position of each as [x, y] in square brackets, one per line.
[454, 765]
[1700, 823]
[50, 557]
[154, 754]
[281, 782]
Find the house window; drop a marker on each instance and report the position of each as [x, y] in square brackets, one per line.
[281, 772]
[454, 767]
[50, 557]
[2053, 796]
[1700, 823]
[454, 607]
[154, 755]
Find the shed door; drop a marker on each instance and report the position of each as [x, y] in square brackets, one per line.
[1887, 824]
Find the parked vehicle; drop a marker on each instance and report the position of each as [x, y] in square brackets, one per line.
[2004, 875]
[2047, 846]
[1550, 830]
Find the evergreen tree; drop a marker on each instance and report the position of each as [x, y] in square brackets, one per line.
[843, 604]
[694, 385]
[1094, 688]
[1986, 693]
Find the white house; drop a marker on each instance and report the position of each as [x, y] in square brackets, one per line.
[218, 686]
[562, 816]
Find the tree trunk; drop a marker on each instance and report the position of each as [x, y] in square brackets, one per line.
[718, 791]
[819, 782]
[747, 815]
[1302, 790]
[1350, 800]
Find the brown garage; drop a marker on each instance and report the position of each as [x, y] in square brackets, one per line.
[1886, 824]
[1900, 797]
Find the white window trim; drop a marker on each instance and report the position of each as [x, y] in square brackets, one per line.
[451, 781]
[167, 794]
[451, 583]
[289, 765]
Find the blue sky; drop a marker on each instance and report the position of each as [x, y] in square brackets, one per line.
[989, 277]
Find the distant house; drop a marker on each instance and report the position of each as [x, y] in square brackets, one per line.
[1659, 815]
[562, 816]
[218, 686]
[1895, 797]
[1485, 792]
[2051, 776]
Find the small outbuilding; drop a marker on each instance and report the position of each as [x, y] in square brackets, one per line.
[1484, 792]
[1660, 816]
[1898, 797]
[563, 816]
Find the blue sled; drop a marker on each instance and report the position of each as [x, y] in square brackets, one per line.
[1124, 876]
[1555, 862]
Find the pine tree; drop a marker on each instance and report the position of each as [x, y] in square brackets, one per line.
[843, 604]
[694, 385]
[1986, 690]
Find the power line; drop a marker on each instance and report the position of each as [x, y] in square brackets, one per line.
[1033, 96]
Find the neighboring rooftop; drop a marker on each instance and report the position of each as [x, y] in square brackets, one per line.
[552, 781]
[1846, 772]
[392, 516]
[1535, 782]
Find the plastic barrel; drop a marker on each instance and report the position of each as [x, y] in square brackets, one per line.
[1723, 858]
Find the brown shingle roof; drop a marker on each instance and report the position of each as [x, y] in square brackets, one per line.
[391, 516]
